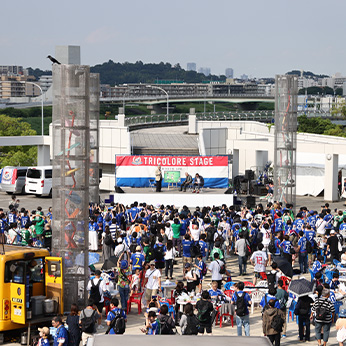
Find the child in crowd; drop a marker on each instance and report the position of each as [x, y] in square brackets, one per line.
[201, 266]
[341, 327]
[317, 265]
[318, 279]
[151, 324]
[135, 282]
[44, 333]
[335, 283]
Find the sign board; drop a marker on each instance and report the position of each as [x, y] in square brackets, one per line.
[172, 177]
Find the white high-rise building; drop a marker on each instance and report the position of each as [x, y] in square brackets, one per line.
[191, 66]
[229, 72]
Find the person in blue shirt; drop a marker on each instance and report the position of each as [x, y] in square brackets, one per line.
[317, 265]
[200, 266]
[137, 259]
[186, 251]
[278, 223]
[311, 220]
[298, 223]
[216, 294]
[303, 255]
[24, 219]
[203, 246]
[277, 244]
[242, 320]
[335, 283]
[286, 246]
[61, 335]
[152, 326]
[270, 295]
[310, 237]
[114, 312]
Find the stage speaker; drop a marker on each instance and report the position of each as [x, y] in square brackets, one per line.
[118, 189]
[249, 174]
[251, 201]
[229, 191]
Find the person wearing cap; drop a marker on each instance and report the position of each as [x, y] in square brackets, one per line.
[340, 326]
[123, 281]
[333, 246]
[324, 311]
[122, 248]
[152, 281]
[44, 333]
[137, 259]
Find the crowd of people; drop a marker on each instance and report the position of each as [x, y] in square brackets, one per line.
[149, 243]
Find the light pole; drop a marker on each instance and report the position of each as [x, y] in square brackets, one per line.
[41, 101]
[163, 90]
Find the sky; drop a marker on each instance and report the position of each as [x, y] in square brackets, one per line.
[260, 38]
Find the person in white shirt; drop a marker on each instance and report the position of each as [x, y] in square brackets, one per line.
[152, 281]
[266, 236]
[195, 232]
[214, 268]
[260, 260]
[120, 248]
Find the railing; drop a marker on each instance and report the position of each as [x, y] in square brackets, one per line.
[182, 118]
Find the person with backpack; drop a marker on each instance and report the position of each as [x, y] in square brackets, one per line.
[282, 296]
[88, 318]
[240, 250]
[108, 244]
[189, 324]
[166, 322]
[242, 301]
[273, 320]
[323, 311]
[96, 287]
[204, 309]
[159, 251]
[123, 281]
[303, 310]
[116, 318]
[61, 334]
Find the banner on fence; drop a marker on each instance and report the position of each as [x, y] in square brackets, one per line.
[135, 171]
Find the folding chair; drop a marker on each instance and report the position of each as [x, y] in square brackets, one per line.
[152, 184]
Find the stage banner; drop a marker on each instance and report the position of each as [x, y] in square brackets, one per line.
[135, 171]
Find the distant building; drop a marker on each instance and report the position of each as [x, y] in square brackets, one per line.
[13, 86]
[244, 77]
[45, 82]
[13, 70]
[191, 66]
[229, 72]
[204, 70]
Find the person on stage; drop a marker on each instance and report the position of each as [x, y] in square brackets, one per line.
[187, 182]
[198, 183]
[158, 178]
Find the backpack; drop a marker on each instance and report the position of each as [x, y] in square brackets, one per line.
[210, 234]
[165, 328]
[321, 313]
[204, 269]
[309, 248]
[159, 253]
[271, 279]
[133, 245]
[277, 322]
[193, 325]
[195, 249]
[88, 323]
[118, 323]
[95, 291]
[240, 305]
[203, 314]
[271, 246]
[150, 255]
[222, 269]
[108, 240]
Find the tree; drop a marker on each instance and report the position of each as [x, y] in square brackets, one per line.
[16, 155]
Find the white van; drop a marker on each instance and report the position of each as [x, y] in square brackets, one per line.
[13, 179]
[39, 181]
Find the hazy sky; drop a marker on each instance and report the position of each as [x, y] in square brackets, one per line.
[260, 38]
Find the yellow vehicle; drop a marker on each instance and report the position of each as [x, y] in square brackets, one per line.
[26, 273]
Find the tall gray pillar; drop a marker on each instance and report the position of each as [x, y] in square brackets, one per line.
[71, 164]
[285, 141]
[94, 179]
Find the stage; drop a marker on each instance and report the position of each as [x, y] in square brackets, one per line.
[208, 197]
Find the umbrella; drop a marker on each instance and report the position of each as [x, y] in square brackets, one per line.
[284, 266]
[110, 263]
[301, 287]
